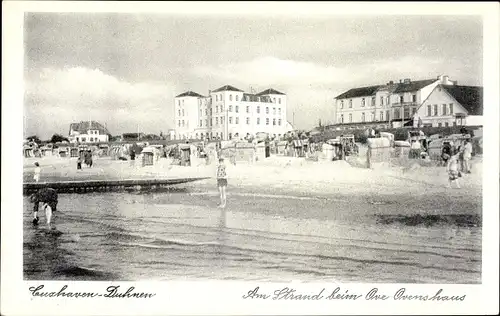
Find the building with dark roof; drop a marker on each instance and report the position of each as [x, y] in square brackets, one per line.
[227, 88]
[385, 105]
[451, 105]
[189, 94]
[359, 92]
[270, 92]
[228, 112]
[88, 132]
[470, 97]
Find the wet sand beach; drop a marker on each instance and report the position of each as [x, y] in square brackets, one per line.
[285, 220]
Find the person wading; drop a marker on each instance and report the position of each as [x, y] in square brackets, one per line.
[48, 198]
[222, 182]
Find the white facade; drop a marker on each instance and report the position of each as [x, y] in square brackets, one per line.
[441, 109]
[229, 112]
[91, 136]
[384, 103]
[186, 116]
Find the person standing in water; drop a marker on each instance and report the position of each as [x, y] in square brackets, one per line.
[222, 182]
[48, 198]
[38, 170]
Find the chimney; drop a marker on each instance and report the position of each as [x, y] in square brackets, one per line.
[400, 80]
[209, 92]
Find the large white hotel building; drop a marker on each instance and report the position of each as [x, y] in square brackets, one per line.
[228, 113]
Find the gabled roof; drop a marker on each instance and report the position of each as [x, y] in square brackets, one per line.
[392, 88]
[227, 88]
[83, 127]
[470, 97]
[248, 97]
[270, 91]
[359, 92]
[189, 94]
[413, 85]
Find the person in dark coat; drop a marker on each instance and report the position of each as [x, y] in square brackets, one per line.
[446, 153]
[132, 158]
[79, 163]
[88, 158]
[48, 198]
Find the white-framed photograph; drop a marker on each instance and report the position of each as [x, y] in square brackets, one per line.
[249, 158]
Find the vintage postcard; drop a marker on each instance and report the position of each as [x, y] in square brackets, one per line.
[249, 158]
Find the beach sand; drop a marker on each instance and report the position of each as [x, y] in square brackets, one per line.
[286, 218]
[422, 189]
[279, 173]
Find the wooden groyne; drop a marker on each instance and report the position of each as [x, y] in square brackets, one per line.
[104, 185]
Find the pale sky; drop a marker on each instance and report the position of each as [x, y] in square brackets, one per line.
[124, 69]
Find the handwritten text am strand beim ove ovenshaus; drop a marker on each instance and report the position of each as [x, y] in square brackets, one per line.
[401, 294]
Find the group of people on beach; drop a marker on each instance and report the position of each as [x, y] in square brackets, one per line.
[87, 159]
[457, 161]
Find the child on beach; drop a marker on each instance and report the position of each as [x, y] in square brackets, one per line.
[79, 163]
[222, 181]
[38, 170]
[453, 171]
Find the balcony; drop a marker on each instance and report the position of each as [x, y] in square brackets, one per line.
[404, 104]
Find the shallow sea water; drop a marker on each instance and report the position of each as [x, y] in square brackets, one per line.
[182, 235]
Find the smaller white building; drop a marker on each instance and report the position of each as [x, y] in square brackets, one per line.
[88, 132]
[451, 105]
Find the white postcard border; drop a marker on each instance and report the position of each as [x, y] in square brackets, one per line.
[213, 297]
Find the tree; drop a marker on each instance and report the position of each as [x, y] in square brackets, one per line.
[35, 139]
[56, 138]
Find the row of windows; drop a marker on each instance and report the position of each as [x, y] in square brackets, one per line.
[84, 139]
[446, 124]
[236, 109]
[363, 117]
[236, 121]
[373, 99]
[218, 135]
[383, 116]
[446, 109]
[217, 98]
[94, 132]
